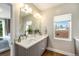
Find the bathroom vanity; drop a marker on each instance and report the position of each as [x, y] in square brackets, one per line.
[33, 45]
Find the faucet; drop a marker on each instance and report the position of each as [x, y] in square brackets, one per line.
[25, 34]
[19, 39]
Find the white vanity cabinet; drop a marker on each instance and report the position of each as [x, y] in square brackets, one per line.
[36, 49]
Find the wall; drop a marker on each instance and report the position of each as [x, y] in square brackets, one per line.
[14, 24]
[7, 26]
[62, 46]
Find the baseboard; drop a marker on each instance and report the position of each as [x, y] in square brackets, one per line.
[62, 52]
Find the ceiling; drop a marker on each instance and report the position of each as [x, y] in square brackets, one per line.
[44, 6]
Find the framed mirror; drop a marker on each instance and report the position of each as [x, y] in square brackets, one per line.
[27, 16]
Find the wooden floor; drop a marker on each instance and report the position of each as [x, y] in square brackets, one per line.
[51, 53]
[46, 53]
[5, 53]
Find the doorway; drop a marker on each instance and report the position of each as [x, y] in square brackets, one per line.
[5, 33]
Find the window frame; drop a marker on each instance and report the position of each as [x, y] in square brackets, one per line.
[3, 27]
[68, 17]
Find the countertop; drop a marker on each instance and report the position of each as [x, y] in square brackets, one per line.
[32, 40]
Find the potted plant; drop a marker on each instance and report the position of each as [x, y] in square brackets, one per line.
[36, 31]
[30, 31]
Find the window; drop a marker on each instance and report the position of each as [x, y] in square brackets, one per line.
[1, 32]
[2, 28]
[62, 27]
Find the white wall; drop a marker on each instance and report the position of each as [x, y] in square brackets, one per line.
[14, 25]
[66, 47]
[6, 11]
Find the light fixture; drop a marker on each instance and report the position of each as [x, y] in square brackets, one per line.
[29, 10]
[26, 9]
[22, 10]
[37, 15]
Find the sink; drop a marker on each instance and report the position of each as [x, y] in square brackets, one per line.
[30, 39]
